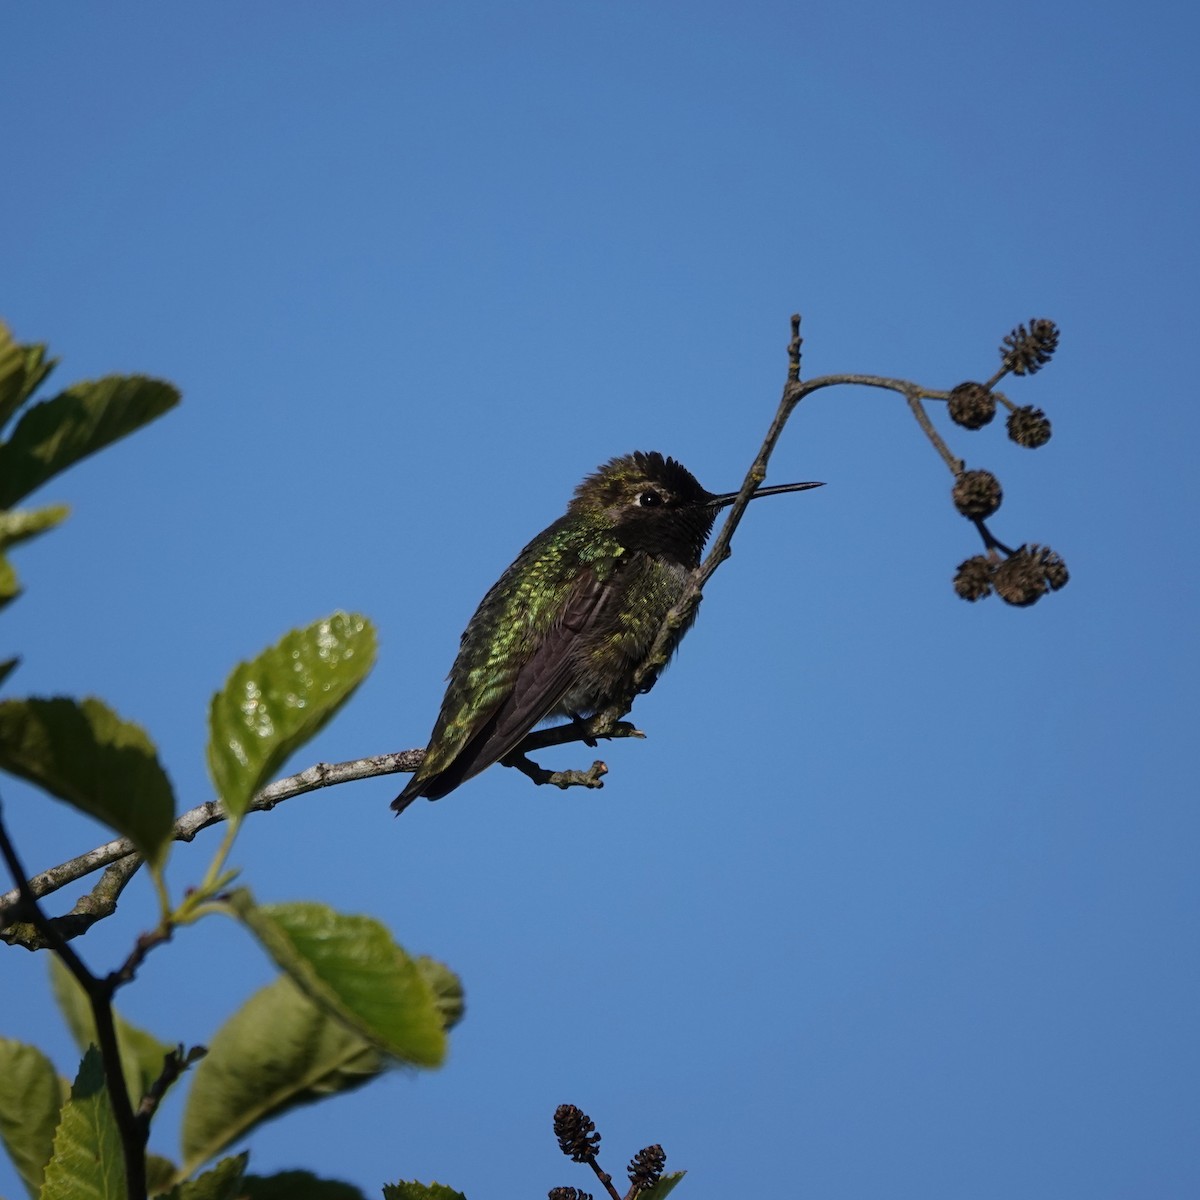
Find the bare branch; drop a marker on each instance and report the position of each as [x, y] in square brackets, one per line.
[94, 906]
[102, 901]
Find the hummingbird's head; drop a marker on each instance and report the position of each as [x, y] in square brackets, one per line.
[656, 504]
[639, 483]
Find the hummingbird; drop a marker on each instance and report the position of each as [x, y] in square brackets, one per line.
[564, 629]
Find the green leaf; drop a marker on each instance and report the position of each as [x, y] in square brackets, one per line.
[56, 433]
[142, 1053]
[447, 990]
[297, 1185]
[10, 585]
[160, 1174]
[223, 1182]
[7, 667]
[277, 1052]
[22, 368]
[87, 1162]
[663, 1187]
[83, 753]
[411, 1190]
[31, 1095]
[271, 706]
[352, 968]
[21, 524]
[37, 367]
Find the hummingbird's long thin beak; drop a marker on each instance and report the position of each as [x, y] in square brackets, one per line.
[778, 489]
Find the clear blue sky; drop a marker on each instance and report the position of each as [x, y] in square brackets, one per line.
[899, 899]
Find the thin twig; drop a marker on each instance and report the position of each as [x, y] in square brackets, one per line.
[682, 612]
[145, 943]
[918, 411]
[175, 1062]
[990, 541]
[604, 1177]
[191, 822]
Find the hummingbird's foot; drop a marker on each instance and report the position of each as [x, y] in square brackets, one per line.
[581, 727]
[593, 777]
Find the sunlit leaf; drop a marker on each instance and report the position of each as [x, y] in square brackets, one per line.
[12, 374]
[87, 1162]
[37, 367]
[351, 967]
[10, 585]
[142, 1054]
[55, 433]
[18, 525]
[22, 368]
[277, 1052]
[31, 1095]
[83, 753]
[272, 705]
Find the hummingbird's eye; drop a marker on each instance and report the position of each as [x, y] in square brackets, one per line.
[650, 498]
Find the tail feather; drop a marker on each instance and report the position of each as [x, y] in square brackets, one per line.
[414, 789]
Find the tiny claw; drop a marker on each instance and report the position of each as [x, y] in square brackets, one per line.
[648, 683]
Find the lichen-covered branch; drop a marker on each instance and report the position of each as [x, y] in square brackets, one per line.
[118, 855]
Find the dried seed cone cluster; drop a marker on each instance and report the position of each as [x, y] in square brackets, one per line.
[1026, 576]
[1027, 351]
[576, 1133]
[1021, 579]
[1024, 351]
[973, 580]
[646, 1167]
[579, 1141]
[1029, 427]
[971, 405]
[976, 494]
